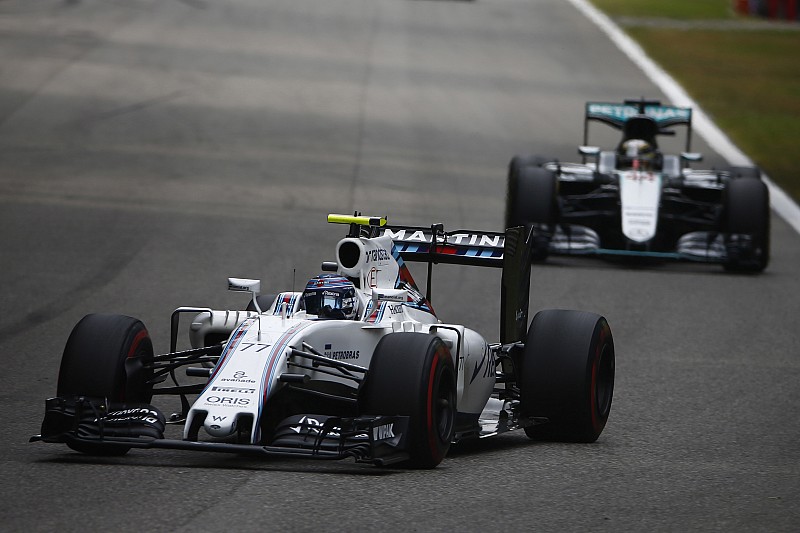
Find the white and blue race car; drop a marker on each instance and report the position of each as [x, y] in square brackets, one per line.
[357, 365]
[636, 201]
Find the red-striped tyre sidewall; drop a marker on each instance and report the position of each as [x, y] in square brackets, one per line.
[412, 374]
[94, 359]
[568, 375]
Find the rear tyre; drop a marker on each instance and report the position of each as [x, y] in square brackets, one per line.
[532, 201]
[104, 359]
[412, 374]
[568, 375]
[747, 225]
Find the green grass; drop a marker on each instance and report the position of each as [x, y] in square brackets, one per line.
[748, 81]
[675, 9]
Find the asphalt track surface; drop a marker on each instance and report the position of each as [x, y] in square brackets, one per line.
[150, 149]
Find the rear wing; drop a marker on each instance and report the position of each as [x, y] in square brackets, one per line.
[434, 245]
[510, 251]
[617, 114]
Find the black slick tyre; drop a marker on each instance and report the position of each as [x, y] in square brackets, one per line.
[412, 374]
[103, 360]
[746, 222]
[532, 201]
[519, 161]
[744, 172]
[568, 375]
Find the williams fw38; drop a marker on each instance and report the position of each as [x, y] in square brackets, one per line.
[357, 365]
[637, 201]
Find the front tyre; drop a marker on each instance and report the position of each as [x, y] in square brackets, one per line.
[532, 201]
[746, 224]
[744, 172]
[412, 374]
[568, 375]
[105, 359]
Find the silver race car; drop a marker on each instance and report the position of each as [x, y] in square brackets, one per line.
[637, 201]
[357, 365]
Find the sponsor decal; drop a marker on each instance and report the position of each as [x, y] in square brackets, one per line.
[136, 414]
[134, 411]
[400, 235]
[312, 426]
[227, 401]
[395, 309]
[472, 239]
[307, 424]
[339, 355]
[377, 255]
[641, 218]
[235, 390]
[372, 277]
[480, 369]
[624, 112]
[383, 432]
[238, 377]
[392, 297]
[466, 239]
[637, 176]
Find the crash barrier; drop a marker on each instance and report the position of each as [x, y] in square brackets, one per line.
[776, 9]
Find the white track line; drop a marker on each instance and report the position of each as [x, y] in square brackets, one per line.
[702, 124]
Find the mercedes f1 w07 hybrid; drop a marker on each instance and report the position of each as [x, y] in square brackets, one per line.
[636, 200]
[358, 365]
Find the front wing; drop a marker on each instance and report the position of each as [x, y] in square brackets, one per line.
[698, 246]
[87, 423]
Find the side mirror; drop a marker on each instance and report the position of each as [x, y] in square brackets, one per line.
[252, 286]
[244, 285]
[390, 295]
[691, 156]
[589, 151]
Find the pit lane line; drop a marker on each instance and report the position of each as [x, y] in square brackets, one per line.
[782, 204]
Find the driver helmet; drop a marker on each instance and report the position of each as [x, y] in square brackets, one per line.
[640, 154]
[330, 296]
